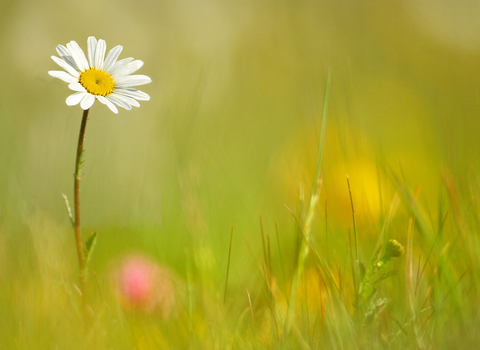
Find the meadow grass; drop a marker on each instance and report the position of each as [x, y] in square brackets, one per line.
[407, 279]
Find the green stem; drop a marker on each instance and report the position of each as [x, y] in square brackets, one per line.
[76, 190]
[354, 220]
[306, 226]
[302, 256]
[322, 132]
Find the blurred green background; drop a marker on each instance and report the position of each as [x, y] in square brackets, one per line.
[232, 127]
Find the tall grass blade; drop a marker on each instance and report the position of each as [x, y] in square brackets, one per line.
[228, 267]
[304, 246]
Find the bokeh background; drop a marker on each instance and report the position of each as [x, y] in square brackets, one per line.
[232, 128]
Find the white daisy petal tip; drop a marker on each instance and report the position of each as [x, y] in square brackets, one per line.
[91, 45]
[76, 87]
[75, 98]
[87, 101]
[66, 77]
[96, 77]
[113, 108]
[109, 104]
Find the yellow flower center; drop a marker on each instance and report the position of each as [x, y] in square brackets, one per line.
[97, 82]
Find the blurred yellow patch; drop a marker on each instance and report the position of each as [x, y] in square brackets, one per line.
[383, 135]
[295, 169]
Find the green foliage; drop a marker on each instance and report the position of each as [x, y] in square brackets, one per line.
[89, 245]
[367, 303]
[69, 211]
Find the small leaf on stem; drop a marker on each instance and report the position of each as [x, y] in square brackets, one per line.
[89, 245]
[69, 211]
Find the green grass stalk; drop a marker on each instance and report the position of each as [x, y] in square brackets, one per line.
[228, 267]
[354, 220]
[307, 225]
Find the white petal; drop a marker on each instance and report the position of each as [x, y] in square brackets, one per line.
[128, 69]
[78, 55]
[126, 99]
[77, 87]
[75, 98]
[120, 64]
[111, 58]
[119, 102]
[133, 93]
[109, 104]
[132, 80]
[66, 56]
[87, 101]
[63, 76]
[92, 44]
[66, 66]
[100, 53]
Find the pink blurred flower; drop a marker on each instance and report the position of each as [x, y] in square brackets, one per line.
[144, 285]
[136, 281]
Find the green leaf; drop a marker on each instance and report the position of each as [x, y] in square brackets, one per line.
[386, 275]
[362, 268]
[374, 308]
[69, 211]
[89, 245]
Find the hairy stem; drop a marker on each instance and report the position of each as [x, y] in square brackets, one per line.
[76, 190]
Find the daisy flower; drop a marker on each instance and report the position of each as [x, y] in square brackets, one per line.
[99, 77]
